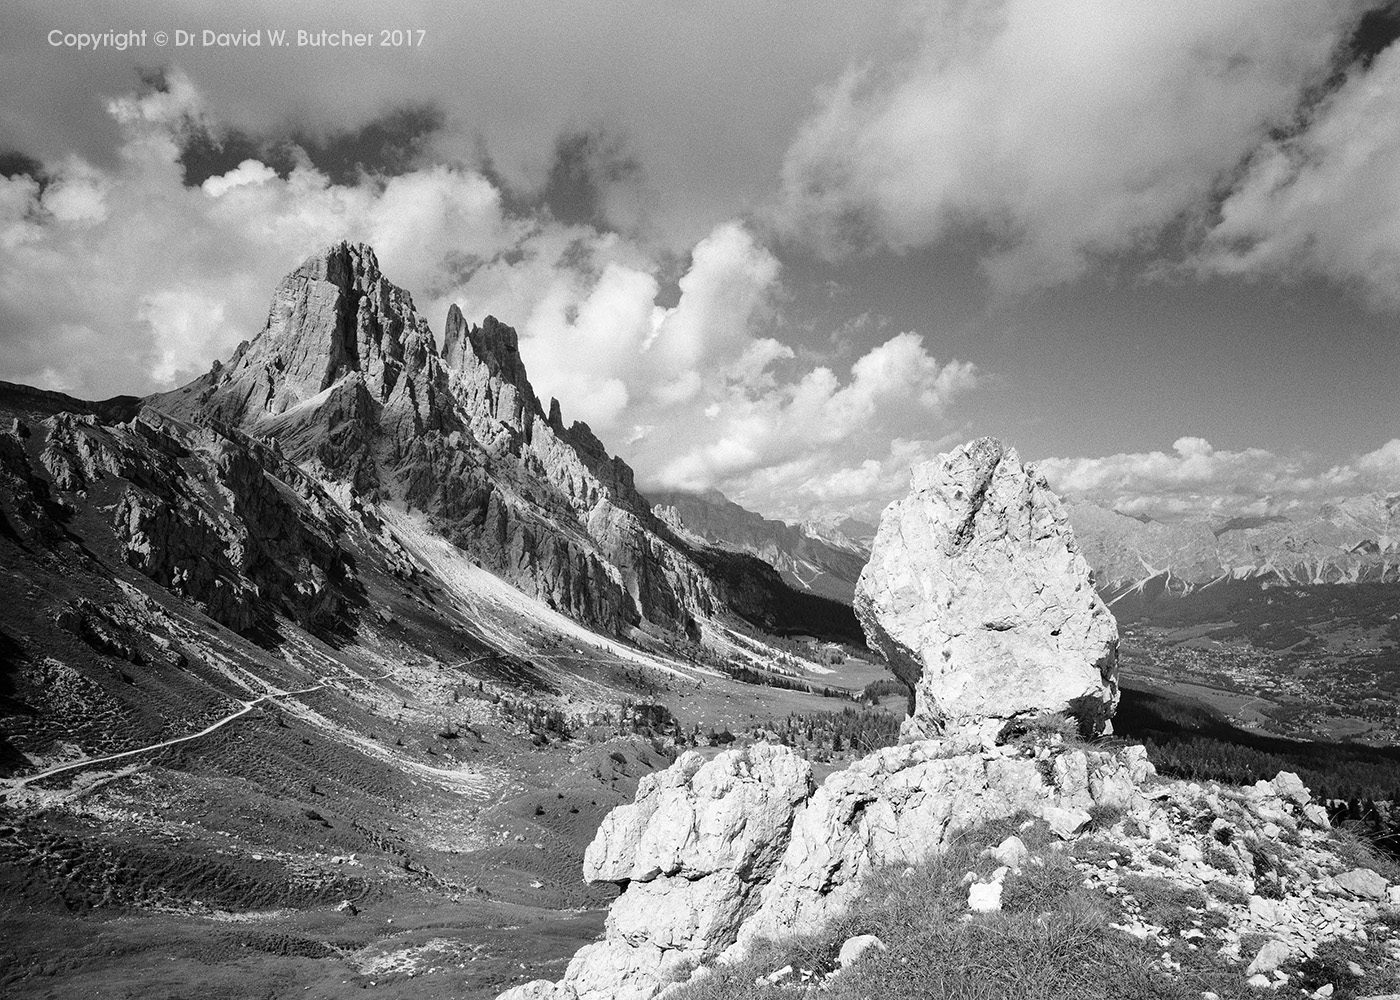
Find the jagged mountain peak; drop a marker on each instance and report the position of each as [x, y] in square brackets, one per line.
[492, 344]
[333, 319]
[343, 263]
[347, 377]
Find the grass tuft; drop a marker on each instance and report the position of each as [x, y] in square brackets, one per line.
[1051, 940]
[1358, 852]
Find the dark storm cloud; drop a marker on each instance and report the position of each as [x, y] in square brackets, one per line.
[1374, 33]
[205, 153]
[589, 165]
[17, 164]
[386, 146]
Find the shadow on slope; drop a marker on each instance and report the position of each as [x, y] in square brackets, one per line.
[1270, 617]
[757, 592]
[1189, 739]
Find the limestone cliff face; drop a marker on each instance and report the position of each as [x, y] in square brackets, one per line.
[979, 599]
[347, 375]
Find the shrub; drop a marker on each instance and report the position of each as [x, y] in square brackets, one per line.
[1356, 851]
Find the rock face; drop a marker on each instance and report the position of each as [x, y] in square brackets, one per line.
[977, 596]
[216, 518]
[718, 856]
[347, 376]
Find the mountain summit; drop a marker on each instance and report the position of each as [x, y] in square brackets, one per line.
[347, 376]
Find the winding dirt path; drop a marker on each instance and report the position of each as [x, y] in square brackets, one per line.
[248, 706]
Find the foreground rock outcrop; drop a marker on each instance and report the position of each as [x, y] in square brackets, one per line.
[717, 856]
[977, 596]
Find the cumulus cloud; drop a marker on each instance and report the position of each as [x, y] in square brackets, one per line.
[1060, 131]
[123, 279]
[861, 487]
[1324, 199]
[897, 383]
[1383, 464]
[697, 396]
[1196, 480]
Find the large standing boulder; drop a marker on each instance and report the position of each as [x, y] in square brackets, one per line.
[979, 599]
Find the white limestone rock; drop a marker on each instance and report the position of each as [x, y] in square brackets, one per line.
[536, 989]
[985, 897]
[853, 949]
[1363, 882]
[1287, 785]
[1271, 955]
[692, 848]
[694, 819]
[978, 597]
[1011, 853]
[1066, 823]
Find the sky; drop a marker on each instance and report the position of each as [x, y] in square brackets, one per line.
[781, 250]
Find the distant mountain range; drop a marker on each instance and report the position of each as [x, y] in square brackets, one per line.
[1355, 541]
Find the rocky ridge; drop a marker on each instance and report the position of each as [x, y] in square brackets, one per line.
[978, 598]
[218, 519]
[346, 374]
[822, 561]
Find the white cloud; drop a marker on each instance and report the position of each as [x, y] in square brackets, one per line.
[781, 448]
[1196, 480]
[1383, 464]
[696, 393]
[1063, 130]
[1324, 200]
[860, 488]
